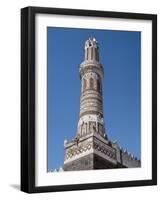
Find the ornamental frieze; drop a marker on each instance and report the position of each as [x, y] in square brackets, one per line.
[78, 150]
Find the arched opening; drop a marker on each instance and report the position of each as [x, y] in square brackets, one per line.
[91, 83]
[98, 85]
[91, 53]
[87, 53]
[84, 84]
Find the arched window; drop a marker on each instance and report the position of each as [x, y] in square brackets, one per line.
[91, 82]
[84, 84]
[91, 53]
[100, 128]
[98, 85]
[83, 129]
[97, 55]
[87, 53]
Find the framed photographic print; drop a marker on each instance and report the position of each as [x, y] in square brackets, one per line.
[88, 99]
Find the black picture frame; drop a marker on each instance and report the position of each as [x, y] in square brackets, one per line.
[28, 98]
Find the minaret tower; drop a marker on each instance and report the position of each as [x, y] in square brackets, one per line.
[91, 102]
[91, 148]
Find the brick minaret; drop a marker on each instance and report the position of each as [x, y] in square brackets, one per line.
[91, 105]
[91, 148]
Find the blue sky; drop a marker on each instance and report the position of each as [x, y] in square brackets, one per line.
[120, 57]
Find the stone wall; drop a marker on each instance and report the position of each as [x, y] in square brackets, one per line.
[95, 152]
[88, 162]
[84, 163]
[125, 158]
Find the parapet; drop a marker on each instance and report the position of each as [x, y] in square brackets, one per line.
[126, 159]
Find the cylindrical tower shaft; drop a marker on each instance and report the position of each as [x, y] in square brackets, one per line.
[91, 102]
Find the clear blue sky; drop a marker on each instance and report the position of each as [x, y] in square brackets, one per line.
[120, 57]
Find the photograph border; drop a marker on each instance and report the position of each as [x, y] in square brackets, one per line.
[28, 98]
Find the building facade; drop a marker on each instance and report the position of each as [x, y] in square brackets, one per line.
[91, 148]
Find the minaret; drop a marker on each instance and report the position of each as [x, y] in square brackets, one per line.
[91, 102]
[91, 148]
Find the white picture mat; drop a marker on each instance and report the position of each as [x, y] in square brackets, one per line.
[92, 176]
